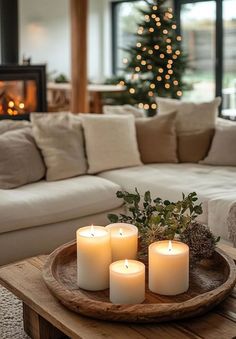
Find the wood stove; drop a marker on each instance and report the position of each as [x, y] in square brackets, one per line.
[22, 90]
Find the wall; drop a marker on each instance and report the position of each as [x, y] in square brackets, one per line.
[45, 35]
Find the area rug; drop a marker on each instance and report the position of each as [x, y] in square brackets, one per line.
[11, 316]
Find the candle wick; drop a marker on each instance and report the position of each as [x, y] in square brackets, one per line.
[92, 234]
[126, 266]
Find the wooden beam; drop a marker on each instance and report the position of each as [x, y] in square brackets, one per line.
[79, 18]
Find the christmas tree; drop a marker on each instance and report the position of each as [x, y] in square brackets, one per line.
[155, 65]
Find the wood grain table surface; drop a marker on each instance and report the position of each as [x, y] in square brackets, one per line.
[46, 318]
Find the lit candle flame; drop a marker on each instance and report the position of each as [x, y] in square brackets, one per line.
[126, 263]
[121, 232]
[92, 231]
[170, 246]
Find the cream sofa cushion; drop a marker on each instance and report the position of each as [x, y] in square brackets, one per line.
[10, 125]
[60, 138]
[20, 160]
[123, 110]
[223, 148]
[110, 142]
[45, 202]
[190, 116]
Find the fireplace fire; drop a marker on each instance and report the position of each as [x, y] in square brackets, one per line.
[22, 91]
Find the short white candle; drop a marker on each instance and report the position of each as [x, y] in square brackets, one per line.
[93, 258]
[124, 241]
[127, 282]
[168, 267]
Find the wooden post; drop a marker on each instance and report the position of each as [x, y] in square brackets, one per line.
[79, 18]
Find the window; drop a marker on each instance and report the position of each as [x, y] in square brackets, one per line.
[126, 15]
[209, 38]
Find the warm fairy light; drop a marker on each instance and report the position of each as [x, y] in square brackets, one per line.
[169, 51]
[10, 111]
[167, 86]
[175, 82]
[174, 26]
[147, 18]
[139, 44]
[158, 24]
[170, 71]
[144, 49]
[162, 56]
[157, 18]
[151, 30]
[125, 60]
[11, 103]
[153, 106]
[179, 93]
[170, 61]
[152, 86]
[168, 40]
[150, 93]
[167, 76]
[122, 83]
[143, 62]
[156, 47]
[153, 16]
[138, 57]
[154, 8]
[174, 57]
[159, 78]
[150, 51]
[137, 69]
[146, 106]
[169, 66]
[140, 105]
[165, 31]
[21, 105]
[178, 38]
[168, 47]
[170, 16]
[161, 70]
[132, 90]
[140, 30]
[177, 52]
[149, 67]
[170, 9]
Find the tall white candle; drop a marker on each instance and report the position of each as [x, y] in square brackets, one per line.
[127, 282]
[124, 241]
[168, 267]
[93, 258]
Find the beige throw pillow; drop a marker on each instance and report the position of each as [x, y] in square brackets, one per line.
[157, 139]
[110, 142]
[190, 116]
[11, 125]
[20, 159]
[223, 148]
[60, 138]
[193, 147]
[123, 110]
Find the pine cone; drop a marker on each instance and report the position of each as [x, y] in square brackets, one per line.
[200, 240]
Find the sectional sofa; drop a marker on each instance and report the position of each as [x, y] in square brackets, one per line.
[37, 217]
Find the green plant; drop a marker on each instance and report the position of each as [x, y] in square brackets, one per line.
[158, 219]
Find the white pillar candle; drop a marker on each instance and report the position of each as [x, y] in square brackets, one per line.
[127, 282]
[93, 258]
[124, 241]
[168, 267]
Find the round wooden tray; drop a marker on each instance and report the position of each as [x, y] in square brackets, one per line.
[210, 283]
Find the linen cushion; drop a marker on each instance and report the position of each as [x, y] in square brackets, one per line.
[10, 125]
[157, 139]
[193, 147]
[60, 138]
[20, 159]
[190, 116]
[110, 142]
[223, 148]
[123, 110]
[44, 203]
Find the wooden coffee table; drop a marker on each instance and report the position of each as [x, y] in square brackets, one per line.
[46, 318]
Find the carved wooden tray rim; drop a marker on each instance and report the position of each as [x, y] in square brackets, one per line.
[79, 302]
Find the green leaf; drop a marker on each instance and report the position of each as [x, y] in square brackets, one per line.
[119, 194]
[147, 196]
[113, 218]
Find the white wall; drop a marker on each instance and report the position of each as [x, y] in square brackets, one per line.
[45, 35]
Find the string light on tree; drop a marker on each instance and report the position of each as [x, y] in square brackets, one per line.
[156, 58]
